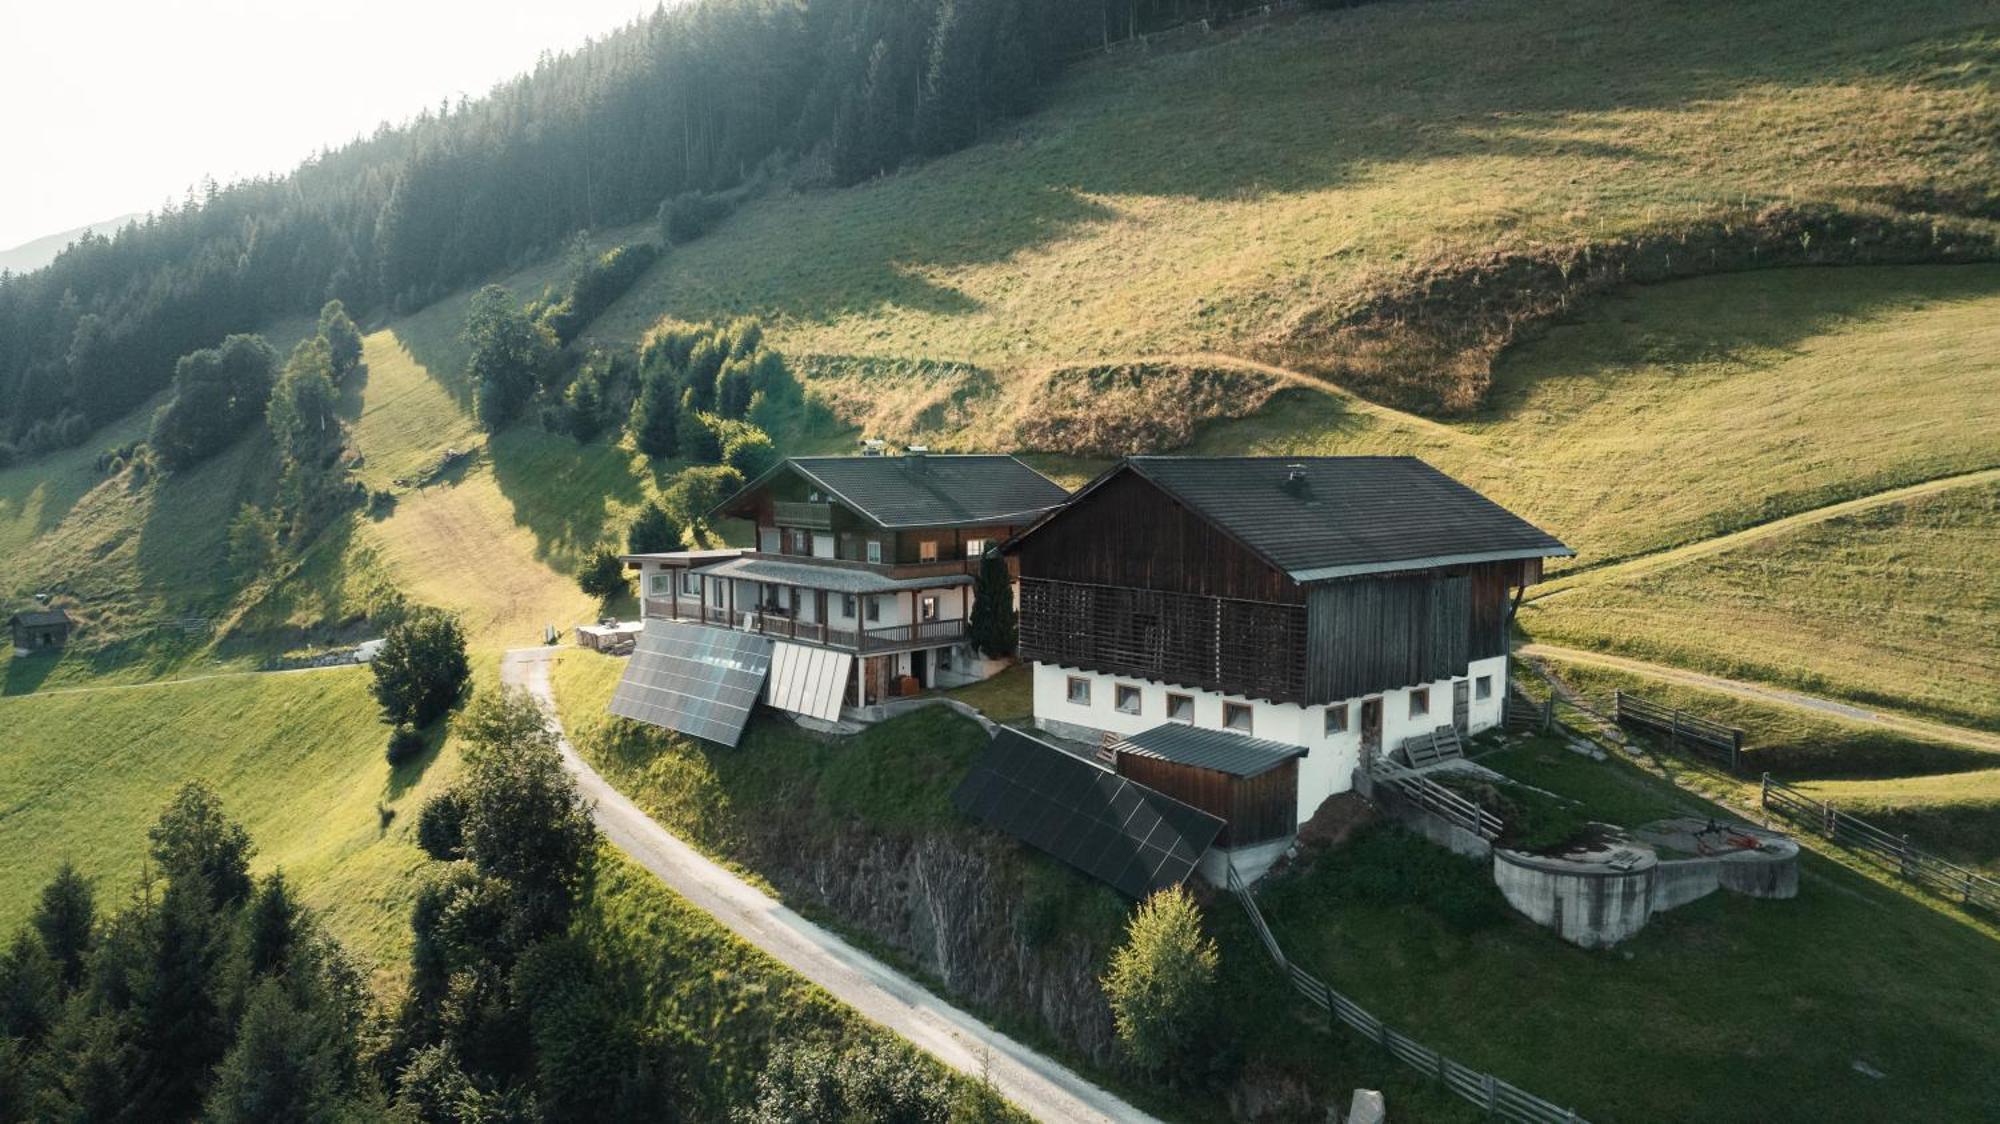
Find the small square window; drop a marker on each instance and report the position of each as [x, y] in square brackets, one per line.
[1079, 691]
[975, 548]
[1482, 687]
[874, 608]
[875, 552]
[1180, 708]
[1420, 702]
[1336, 719]
[659, 584]
[927, 550]
[1236, 716]
[1127, 699]
[691, 583]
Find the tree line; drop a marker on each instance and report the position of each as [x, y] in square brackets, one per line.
[676, 112]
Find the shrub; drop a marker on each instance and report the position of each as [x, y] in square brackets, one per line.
[653, 532]
[422, 670]
[866, 1081]
[603, 575]
[994, 628]
[441, 826]
[691, 214]
[405, 743]
[1162, 982]
[601, 281]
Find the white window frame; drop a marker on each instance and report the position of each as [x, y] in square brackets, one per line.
[1077, 691]
[659, 584]
[873, 552]
[691, 583]
[975, 548]
[1122, 691]
[927, 608]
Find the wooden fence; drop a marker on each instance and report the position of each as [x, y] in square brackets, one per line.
[1425, 793]
[1971, 888]
[1498, 1098]
[1722, 744]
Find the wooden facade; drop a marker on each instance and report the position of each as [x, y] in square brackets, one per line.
[1128, 581]
[1253, 809]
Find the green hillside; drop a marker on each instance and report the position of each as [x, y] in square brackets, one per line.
[1243, 193]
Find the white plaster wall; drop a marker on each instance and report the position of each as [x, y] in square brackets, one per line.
[1488, 712]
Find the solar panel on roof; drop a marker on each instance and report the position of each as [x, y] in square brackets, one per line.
[1114, 829]
[694, 679]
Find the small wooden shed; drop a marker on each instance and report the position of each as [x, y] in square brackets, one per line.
[39, 630]
[1249, 783]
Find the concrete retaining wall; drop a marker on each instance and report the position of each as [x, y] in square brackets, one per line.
[1593, 906]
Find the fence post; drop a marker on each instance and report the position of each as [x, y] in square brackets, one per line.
[1549, 713]
[1677, 729]
[1735, 751]
[1764, 792]
[1617, 704]
[1903, 859]
[1830, 817]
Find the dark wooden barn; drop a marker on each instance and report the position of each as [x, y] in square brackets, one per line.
[39, 630]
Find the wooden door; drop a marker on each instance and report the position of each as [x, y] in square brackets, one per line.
[1461, 706]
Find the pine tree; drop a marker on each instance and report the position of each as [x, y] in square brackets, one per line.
[30, 989]
[179, 1028]
[66, 920]
[656, 415]
[284, 1065]
[653, 532]
[994, 628]
[274, 927]
[199, 848]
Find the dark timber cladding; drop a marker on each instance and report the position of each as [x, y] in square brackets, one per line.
[1299, 581]
[1253, 809]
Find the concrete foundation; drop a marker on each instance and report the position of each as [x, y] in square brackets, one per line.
[1606, 888]
[1250, 862]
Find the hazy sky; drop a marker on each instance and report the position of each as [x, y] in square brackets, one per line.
[108, 108]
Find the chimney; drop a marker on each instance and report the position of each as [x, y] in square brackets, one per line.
[1295, 481]
[913, 457]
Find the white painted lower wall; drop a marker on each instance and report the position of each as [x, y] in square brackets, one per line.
[1331, 758]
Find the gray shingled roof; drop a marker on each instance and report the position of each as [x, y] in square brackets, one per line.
[1349, 515]
[934, 490]
[1225, 752]
[39, 618]
[839, 579]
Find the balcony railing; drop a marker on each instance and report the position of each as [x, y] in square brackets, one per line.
[812, 516]
[783, 626]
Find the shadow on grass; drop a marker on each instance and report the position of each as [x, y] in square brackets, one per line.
[408, 773]
[26, 673]
[562, 492]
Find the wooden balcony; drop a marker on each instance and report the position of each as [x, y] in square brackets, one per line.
[781, 626]
[810, 516]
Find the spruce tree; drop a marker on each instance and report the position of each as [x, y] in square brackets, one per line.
[66, 920]
[994, 628]
[653, 532]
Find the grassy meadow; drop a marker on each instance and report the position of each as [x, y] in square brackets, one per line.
[1215, 194]
[296, 757]
[1893, 607]
[1726, 1007]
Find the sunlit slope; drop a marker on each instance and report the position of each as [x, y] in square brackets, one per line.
[1672, 413]
[1207, 194]
[298, 758]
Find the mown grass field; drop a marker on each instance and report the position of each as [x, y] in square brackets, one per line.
[297, 758]
[1893, 607]
[1727, 1007]
[1205, 196]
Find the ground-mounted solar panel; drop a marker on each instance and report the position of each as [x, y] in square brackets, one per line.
[694, 679]
[1114, 829]
[807, 680]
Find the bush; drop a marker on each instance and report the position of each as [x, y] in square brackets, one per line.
[1162, 982]
[405, 743]
[422, 671]
[218, 393]
[653, 532]
[441, 826]
[866, 1081]
[603, 575]
[601, 281]
[691, 214]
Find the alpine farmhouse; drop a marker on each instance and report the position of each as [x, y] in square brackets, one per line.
[1243, 633]
[860, 587]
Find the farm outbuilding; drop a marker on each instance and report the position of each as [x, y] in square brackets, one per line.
[1251, 784]
[39, 630]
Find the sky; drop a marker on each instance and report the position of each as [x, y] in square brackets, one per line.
[107, 108]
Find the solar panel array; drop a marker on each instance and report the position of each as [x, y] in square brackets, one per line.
[1115, 830]
[694, 679]
[809, 681]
